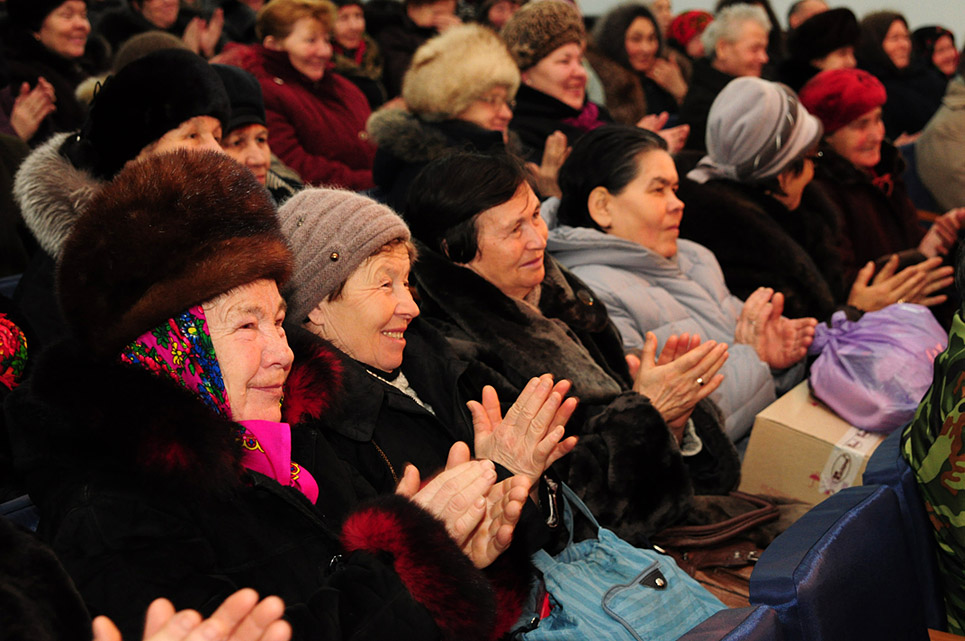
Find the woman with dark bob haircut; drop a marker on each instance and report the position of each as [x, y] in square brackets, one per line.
[618, 230]
[648, 437]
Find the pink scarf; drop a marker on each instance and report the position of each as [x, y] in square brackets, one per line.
[268, 450]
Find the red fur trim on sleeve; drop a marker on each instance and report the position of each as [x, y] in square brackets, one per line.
[437, 574]
[312, 384]
[510, 575]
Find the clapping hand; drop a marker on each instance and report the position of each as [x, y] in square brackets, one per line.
[779, 341]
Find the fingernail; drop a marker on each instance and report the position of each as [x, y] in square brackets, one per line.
[211, 630]
[480, 502]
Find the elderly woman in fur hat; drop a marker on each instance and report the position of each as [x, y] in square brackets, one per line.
[141, 110]
[459, 94]
[547, 40]
[487, 283]
[155, 446]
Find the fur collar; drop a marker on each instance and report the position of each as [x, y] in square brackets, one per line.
[52, 194]
[413, 140]
[563, 333]
[96, 420]
[625, 99]
[314, 384]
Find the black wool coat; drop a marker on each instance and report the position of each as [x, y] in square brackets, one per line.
[759, 243]
[142, 494]
[627, 466]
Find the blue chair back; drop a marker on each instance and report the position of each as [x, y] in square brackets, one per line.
[888, 467]
[917, 191]
[842, 571]
[756, 623]
[21, 511]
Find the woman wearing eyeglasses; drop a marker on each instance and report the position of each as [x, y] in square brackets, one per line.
[458, 93]
[746, 202]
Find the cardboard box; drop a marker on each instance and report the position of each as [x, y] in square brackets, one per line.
[799, 448]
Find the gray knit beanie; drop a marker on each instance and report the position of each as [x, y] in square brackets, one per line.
[331, 233]
[540, 28]
[755, 129]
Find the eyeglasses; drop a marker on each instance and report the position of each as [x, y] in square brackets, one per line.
[496, 102]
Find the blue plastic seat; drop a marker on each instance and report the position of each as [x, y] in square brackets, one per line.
[756, 623]
[888, 467]
[917, 191]
[843, 571]
[21, 511]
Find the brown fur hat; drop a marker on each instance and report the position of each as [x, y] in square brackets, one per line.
[169, 232]
[540, 28]
[455, 68]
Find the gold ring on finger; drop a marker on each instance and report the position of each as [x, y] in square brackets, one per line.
[700, 381]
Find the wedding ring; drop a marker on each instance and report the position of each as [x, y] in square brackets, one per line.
[901, 300]
[700, 381]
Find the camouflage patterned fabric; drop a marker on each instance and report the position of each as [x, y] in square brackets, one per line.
[932, 443]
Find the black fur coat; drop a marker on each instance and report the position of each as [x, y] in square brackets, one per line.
[142, 494]
[627, 466]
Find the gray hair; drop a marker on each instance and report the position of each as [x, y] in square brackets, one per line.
[727, 25]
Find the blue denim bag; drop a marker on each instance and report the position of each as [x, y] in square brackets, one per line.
[605, 588]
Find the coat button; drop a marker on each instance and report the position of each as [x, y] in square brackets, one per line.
[586, 297]
[363, 135]
[278, 81]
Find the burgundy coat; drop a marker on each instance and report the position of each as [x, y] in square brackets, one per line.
[316, 128]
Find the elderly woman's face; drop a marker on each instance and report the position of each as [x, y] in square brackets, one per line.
[560, 75]
[161, 13]
[512, 239]
[897, 44]
[368, 320]
[860, 140]
[307, 46]
[349, 26]
[648, 211]
[246, 331]
[492, 110]
[65, 29]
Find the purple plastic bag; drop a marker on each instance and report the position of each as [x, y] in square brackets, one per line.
[874, 372]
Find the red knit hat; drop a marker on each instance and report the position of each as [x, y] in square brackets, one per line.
[839, 96]
[688, 25]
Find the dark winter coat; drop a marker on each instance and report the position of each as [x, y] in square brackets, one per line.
[537, 115]
[316, 128]
[28, 60]
[398, 42]
[363, 66]
[119, 25]
[627, 91]
[142, 494]
[878, 221]
[627, 466]
[914, 95]
[759, 243]
[52, 194]
[705, 84]
[407, 143]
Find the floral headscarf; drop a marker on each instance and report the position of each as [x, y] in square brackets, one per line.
[13, 353]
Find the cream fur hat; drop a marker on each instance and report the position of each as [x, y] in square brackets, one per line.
[455, 68]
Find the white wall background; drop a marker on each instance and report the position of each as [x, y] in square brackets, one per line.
[948, 13]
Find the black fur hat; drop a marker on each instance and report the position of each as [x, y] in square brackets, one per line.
[169, 232]
[822, 34]
[142, 102]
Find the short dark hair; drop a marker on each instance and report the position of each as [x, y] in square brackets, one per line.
[448, 195]
[605, 157]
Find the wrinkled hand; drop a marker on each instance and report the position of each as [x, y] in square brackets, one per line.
[457, 495]
[211, 33]
[779, 341]
[943, 234]
[654, 122]
[676, 137]
[31, 107]
[192, 34]
[667, 74]
[905, 138]
[527, 440]
[242, 617]
[479, 514]
[555, 152]
[914, 284]
[671, 383]
[495, 532]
